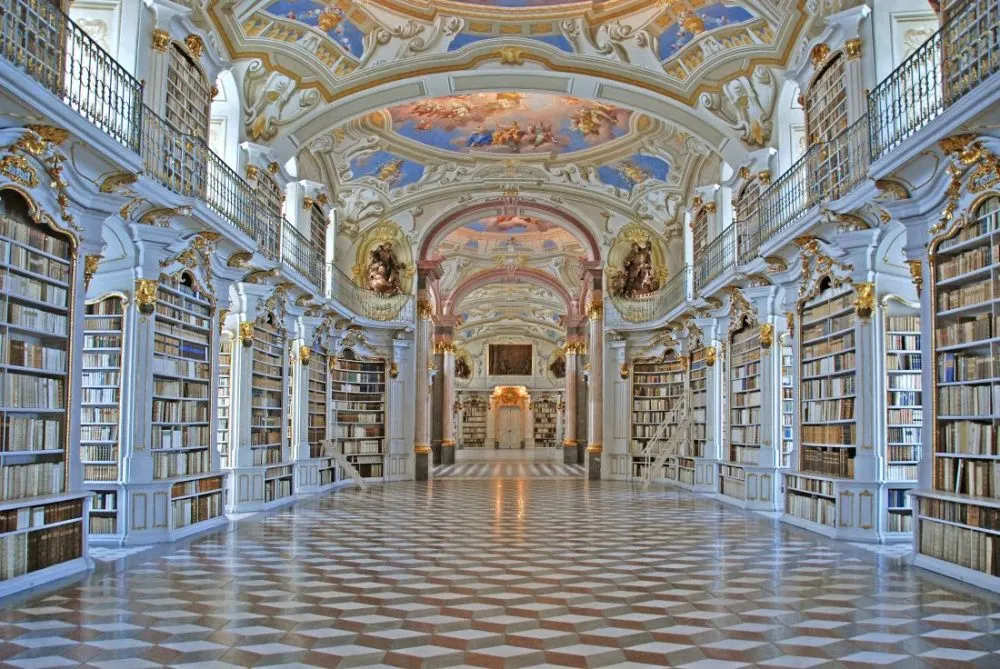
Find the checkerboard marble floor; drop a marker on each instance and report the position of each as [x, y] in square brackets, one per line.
[508, 470]
[506, 573]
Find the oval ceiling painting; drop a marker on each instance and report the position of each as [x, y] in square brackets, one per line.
[510, 123]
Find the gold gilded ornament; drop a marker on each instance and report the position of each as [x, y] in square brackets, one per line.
[246, 334]
[145, 295]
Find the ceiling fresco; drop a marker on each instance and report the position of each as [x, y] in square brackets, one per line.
[510, 123]
[511, 307]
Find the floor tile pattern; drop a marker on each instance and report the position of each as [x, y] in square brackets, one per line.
[508, 470]
[506, 573]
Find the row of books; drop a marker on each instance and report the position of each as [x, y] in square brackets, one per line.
[967, 477]
[648, 417]
[99, 395]
[838, 363]
[900, 472]
[648, 431]
[897, 342]
[185, 317]
[188, 436]
[37, 319]
[967, 261]
[99, 453]
[190, 298]
[821, 411]
[367, 418]
[343, 364]
[188, 369]
[33, 236]
[653, 405]
[904, 362]
[110, 378]
[99, 415]
[33, 392]
[657, 391]
[340, 390]
[179, 388]
[22, 433]
[103, 524]
[30, 261]
[831, 388]
[899, 498]
[815, 509]
[967, 437]
[12, 520]
[180, 348]
[971, 231]
[31, 551]
[31, 480]
[745, 455]
[33, 289]
[185, 512]
[100, 472]
[827, 308]
[104, 500]
[92, 361]
[747, 416]
[827, 327]
[904, 382]
[36, 356]
[967, 329]
[742, 384]
[358, 432]
[905, 416]
[965, 547]
[363, 447]
[966, 294]
[902, 453]
[185, 463]
[828, 347]
[731, 472]
[344, 405]
[179, 411]
[806, 484]
[266, 435]
[904, 324]
[267, 456]
[747, 436]
[838, 463]
[904, 434]
[829, 434]
[968, 400]
[954, 367]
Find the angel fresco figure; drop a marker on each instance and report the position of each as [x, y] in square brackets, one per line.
[638, 277]
[384, 271]
[558, 367]
[462, 369]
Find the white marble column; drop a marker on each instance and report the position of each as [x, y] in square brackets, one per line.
[595, 395]
[572, 371]
[448, 403]
[422, 427]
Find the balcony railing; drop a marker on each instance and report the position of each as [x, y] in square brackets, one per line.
[367, 303]
[298, 252]
[39, 39]
[653, 306]
[956, 59]
[718, 256]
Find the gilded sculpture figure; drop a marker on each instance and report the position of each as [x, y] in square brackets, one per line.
[637, 277]
[384, 271]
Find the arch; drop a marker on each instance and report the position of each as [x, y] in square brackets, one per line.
[456, 219]
[500, 274]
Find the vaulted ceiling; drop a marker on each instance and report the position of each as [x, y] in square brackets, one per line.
[421, 111]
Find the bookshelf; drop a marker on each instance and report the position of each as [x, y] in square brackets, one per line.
[699, 402]
[657, 391]
[42, 531]
[358, 388]
[787, 402]
[830, 488]
[100, 413]
[904, 416]
[269, 383]
[744, 402]
[958, 522]
[546, 421]
[318, 416]
[474, 414]
[181, 432]
[225, 400]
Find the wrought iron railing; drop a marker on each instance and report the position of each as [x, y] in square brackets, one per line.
[267, 232]
[298, 252]
[956, 59]
[828, 171]
[39, 39]
[718, 256]
[368, 303]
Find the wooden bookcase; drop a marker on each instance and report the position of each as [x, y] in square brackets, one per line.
[474, 413]
[958, 520]
[358, 385]
[268, 408]
[100, 413]
[699, 402]
[181, 436]
[545, 412]
[904, 416]
[657, 391]
[42, 531]
[743, 393]
[787, 402]
[225, 400]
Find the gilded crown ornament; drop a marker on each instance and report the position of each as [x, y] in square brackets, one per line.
[766, 335]
[246, 333]
[305, 353]
[161, 39]
[145, 295]
[710, 355]
[864, 302]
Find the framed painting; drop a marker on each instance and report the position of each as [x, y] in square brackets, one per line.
[510, 359]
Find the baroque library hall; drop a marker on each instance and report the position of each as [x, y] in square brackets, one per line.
[499, 333]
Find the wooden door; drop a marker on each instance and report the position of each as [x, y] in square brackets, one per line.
[509, 428]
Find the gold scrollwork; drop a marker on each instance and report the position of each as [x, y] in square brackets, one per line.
[595, 309]
[90, 264]
[623, 370]
[424, 311]
[766, 335]
[852, 48]
[864, 301]
[790, 323]
[917, 273]
[145, 295]
[710, 355]
[161, 39]
[246, 333]
[194, 45]
[304, 354]
[819, 54]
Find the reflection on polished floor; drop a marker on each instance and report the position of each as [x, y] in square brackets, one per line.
[508, 470]
[506, 573]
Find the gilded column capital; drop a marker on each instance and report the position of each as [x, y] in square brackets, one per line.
[145, 295]
[917, 273]
[864, 302]
[852, 48]
[766, 335]
[246, 333]
[161, 39]
[595, 310]
[305, 353]
[424, 311]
